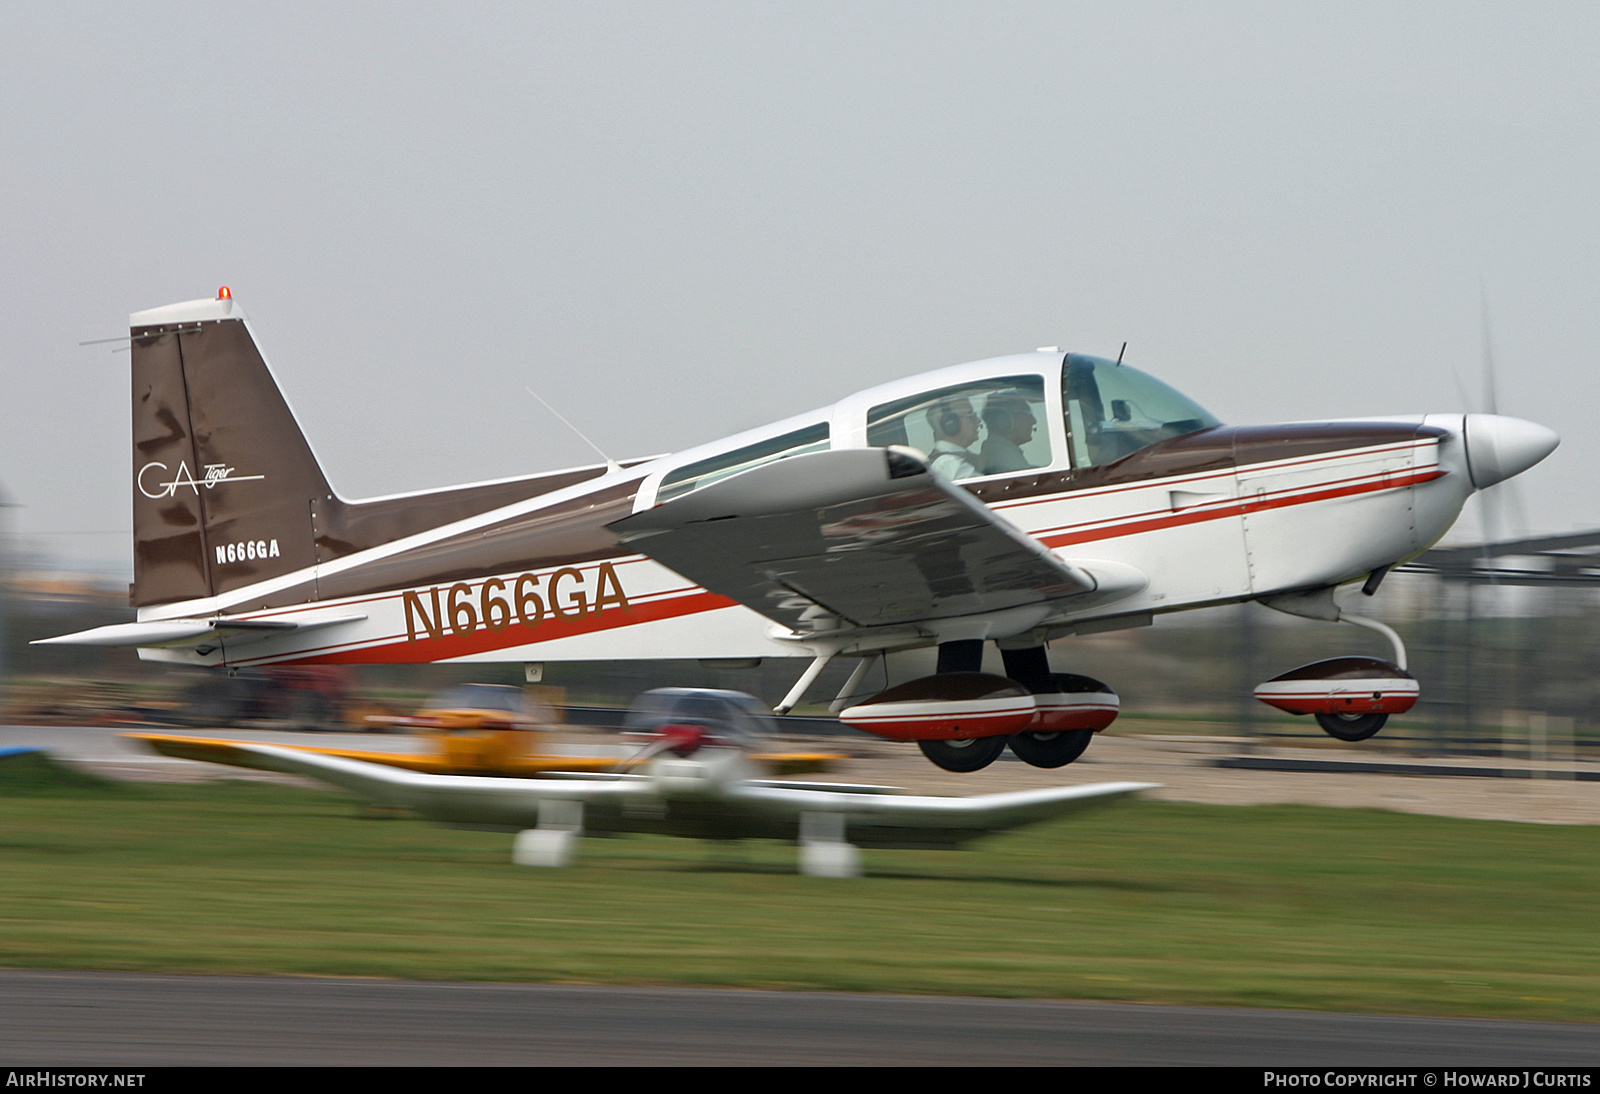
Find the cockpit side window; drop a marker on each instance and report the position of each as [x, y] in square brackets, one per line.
[681, 480]
[988, 427]
[1113, 411]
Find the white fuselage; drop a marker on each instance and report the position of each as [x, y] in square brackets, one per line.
[1198, 538]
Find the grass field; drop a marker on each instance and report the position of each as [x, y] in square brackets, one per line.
[1260, 906]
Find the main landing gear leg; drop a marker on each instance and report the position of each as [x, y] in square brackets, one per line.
[962, 655]
[1029, 667]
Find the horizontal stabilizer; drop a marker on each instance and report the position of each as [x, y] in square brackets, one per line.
[191, 633]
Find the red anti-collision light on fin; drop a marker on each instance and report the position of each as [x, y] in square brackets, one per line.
[224, 293]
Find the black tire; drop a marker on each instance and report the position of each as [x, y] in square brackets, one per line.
[972, 754]
[1056, 749]
[1351, 727]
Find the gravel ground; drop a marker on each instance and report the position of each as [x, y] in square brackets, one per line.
[1182, 764]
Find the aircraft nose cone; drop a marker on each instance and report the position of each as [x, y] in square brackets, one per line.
[1499, 447]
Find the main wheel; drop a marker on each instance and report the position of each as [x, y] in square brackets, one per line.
[1351, 727]
[971, 754]
[1051, 749]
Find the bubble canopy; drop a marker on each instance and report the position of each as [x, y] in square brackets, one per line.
[1113, 410]
[1005, 416]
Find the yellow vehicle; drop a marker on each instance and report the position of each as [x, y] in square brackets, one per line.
[492, 729]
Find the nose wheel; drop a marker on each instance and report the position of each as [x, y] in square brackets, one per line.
[1351, 697]
[1351, 727]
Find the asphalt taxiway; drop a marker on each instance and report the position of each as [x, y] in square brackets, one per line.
[128, 1020]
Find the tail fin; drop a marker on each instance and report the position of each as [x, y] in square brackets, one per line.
[224, 481]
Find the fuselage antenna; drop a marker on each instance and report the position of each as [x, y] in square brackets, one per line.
[1120, 352]
[611, 464]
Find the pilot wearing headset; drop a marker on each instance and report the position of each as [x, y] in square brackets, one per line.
[955, 428]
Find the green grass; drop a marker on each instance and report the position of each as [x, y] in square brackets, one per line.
[1259, 906]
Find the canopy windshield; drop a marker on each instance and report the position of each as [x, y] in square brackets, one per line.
[1113, 411]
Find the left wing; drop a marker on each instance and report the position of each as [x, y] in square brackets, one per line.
[871, 536]
[678, 797]
[488, 801]
[223, 751]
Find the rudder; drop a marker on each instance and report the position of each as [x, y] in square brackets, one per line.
[224, 480]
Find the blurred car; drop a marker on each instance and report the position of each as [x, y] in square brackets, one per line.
[492, 729]
[683, 720]
[306, 697]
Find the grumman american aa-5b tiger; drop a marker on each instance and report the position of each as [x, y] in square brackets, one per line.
[1013, 501]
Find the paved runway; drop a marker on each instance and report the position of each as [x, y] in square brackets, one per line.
[127, 1020]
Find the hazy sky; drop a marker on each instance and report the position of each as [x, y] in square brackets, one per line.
[679, 220]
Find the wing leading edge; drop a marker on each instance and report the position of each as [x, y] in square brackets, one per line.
[869, 536]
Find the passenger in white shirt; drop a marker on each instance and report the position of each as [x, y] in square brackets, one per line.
[955, 428]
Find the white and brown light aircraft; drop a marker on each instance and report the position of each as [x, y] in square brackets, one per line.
[1016, 501]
